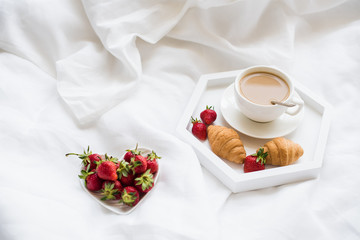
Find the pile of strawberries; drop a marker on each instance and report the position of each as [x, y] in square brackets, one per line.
[252, 163]
[126, 180]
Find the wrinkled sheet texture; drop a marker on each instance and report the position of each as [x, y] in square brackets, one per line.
[111, 74]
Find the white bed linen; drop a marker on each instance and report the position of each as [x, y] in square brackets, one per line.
[111, 74]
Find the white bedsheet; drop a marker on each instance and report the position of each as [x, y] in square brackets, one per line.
[111, 74]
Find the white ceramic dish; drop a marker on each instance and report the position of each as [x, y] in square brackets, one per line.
[310, 132]
[282, 126]
[114, 205]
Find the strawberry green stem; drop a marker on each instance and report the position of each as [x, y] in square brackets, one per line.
[260, 156]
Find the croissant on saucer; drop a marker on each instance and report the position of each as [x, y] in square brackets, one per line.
[282, 151]
[226, 143]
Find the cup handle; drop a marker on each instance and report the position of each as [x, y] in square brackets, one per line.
[299, 105]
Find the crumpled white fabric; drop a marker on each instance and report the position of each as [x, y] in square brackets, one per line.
[118, 25]
[116, 73]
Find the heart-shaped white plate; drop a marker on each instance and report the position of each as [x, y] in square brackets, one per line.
[114, 205]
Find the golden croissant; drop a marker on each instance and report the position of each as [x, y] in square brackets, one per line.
[226, 143]
[282, 151]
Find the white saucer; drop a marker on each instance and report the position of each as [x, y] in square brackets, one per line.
[282, 126]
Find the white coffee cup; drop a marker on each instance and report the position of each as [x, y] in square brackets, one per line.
[254, 104]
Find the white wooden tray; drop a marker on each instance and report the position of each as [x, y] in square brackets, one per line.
[311, 133]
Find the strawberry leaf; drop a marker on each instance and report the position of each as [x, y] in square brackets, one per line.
[123, 169]
[109, 192]
[85, 173]
[134, 151]
[261, 156]
[193, 121]
[146, 180]
[152, 156]
[84, 157]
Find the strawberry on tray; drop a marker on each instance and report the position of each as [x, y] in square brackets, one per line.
[119, 184]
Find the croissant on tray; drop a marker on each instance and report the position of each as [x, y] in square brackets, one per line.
[226, 143]
[282, 151]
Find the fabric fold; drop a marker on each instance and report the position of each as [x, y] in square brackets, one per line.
[92, 81]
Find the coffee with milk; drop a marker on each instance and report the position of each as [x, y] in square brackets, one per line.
[262, 88]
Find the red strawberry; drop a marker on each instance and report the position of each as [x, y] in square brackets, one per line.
[138, 164]
[127, 180]
[208, 116]
[92, 180]
[111, 190]
[94, 159]
[130, 153]
[153, 166]
[198, 129]
[88, 158]
[255, 162]
[152, 163]
[130, 196]
[145, 182]
[107, 170]
[125, 174]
